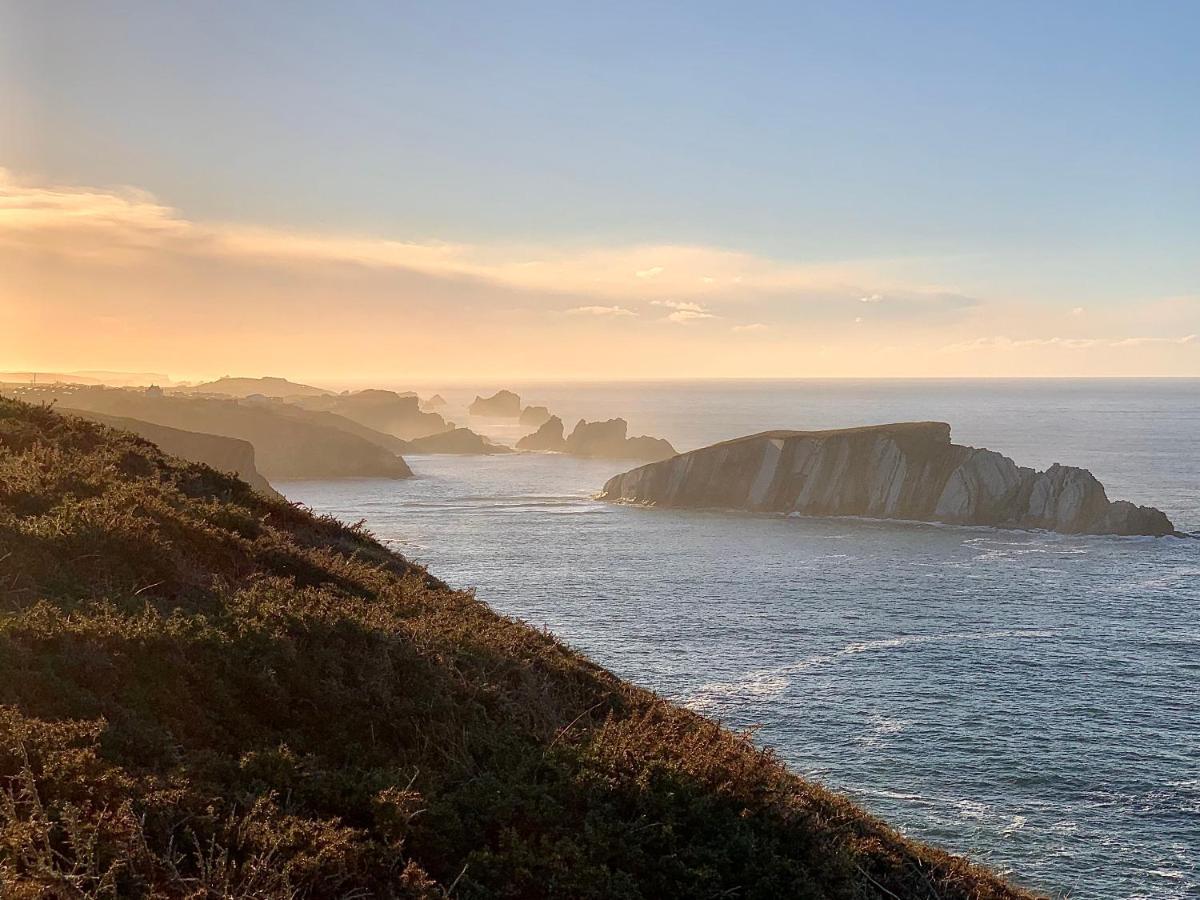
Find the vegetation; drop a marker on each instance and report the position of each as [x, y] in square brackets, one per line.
[205, 692]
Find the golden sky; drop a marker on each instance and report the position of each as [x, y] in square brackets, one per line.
[115, 278]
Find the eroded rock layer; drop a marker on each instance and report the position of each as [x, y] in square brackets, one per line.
[909, 471]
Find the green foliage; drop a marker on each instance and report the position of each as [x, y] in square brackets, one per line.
[205, 692]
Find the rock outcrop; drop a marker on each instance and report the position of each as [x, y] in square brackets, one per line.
[547, 439]
[457, 440]
[905, 471]
[396, 414]
[501, 405]
[535, 416]
[437, 401]
[225, 454]
[608, 440]
[598, 440]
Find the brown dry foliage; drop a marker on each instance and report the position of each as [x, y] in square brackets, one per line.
[209, 693]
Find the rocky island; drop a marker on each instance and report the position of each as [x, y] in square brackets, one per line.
[501, 405]
[456, 440]
[603, 440]
[907, 471]
[535, 416]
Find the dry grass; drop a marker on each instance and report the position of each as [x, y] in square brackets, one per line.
[208, 693]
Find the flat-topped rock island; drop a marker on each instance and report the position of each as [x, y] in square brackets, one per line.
[909, 470]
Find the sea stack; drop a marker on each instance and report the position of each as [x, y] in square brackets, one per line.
[535, 416]
[607, 440]
[501, 405]
[547, 439]
[909, 470]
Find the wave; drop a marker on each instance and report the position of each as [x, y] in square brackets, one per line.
[766, 683]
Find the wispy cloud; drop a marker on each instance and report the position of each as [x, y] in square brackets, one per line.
[685, 305]
[750, 328]
[124, 225]
[684, 311]
[610, 311]
[683, 316]
[871, 298]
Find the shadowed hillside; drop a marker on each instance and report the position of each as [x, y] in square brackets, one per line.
[205, 692]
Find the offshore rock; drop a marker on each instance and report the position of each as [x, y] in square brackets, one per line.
[501, 405]
[607, 440]
[547, 439]
[909, 470]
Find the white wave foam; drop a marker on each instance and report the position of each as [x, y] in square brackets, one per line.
[768, 683]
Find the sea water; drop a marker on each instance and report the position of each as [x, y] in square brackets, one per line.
[1029, 699]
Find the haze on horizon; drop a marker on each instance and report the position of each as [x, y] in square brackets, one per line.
[454, 191]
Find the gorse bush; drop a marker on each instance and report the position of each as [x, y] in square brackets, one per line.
[205, 692]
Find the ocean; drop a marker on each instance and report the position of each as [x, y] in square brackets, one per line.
[1028, 699]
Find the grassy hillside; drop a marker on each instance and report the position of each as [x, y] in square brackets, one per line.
[205, 692]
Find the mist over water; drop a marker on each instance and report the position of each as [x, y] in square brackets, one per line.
[1026, 698]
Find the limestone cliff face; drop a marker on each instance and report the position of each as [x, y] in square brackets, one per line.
[905, 471]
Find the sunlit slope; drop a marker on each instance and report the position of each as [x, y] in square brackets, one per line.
[208, 692]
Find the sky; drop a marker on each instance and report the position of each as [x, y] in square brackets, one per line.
[621, 190]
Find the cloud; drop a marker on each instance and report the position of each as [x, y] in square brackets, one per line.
[684, 305]
[751, 328]
[683, 316]
[1007, 343]
[1078, 311]
[1143, 341]
[871, 298]
[684, 311]
[610, 311]
[124, 226]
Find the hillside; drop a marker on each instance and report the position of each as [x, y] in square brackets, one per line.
[268, 386]
[225, 454]
[288, 442]
[208, 692]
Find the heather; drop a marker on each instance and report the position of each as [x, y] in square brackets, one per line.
[207, 692]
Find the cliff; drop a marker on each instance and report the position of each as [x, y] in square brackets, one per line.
[286, 444]
[399, 415]
[225, 454]
[501, 405]
[205, 692]
[903, 471]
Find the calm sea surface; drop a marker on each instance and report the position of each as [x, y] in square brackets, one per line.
[1029, 699]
